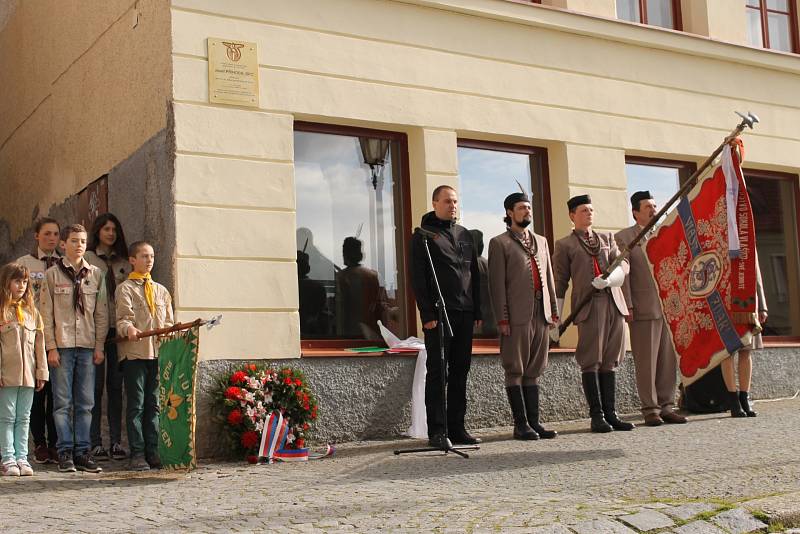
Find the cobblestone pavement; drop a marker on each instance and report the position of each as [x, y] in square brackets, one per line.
[676, 478]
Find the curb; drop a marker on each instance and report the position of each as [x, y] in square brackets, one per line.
[779, 509]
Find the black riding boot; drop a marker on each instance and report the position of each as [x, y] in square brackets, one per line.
[531, 395]
[592, 392]
[744, 400]
[735, 404]
[521, 428]
[608, 396]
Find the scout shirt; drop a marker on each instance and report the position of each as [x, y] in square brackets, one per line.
[120, 267]
[66, 327]
[37, 264]
[132, 310]
[22, 356]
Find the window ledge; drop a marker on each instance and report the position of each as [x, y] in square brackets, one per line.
[341, 353]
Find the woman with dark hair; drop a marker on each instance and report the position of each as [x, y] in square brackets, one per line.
[108, 251]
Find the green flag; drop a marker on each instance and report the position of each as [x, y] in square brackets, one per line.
[177, 363]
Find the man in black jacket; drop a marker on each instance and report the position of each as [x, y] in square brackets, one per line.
[456, 264]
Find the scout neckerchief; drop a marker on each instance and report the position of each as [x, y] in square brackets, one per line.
[531, 247]
[20, 313]
[149, 293]
[49, 260]
[77, 282]
[590, 242]
[111, 280]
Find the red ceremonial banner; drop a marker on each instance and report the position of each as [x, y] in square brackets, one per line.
[705, 279]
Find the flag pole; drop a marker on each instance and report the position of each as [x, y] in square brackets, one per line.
[210, 323]
[748, 121]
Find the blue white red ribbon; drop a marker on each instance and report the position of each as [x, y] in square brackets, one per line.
[274, 439]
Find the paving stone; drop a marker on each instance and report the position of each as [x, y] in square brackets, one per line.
[689, 510]
[647, 520]
[699, 527]
[601, 526]
[738, 521]
[555, 528]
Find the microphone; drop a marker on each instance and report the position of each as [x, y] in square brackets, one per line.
[425, 233]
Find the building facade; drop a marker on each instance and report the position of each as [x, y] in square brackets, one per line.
[364, 107]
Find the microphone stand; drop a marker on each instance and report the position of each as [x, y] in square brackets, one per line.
[445, 330]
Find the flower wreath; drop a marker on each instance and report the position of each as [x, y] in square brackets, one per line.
[251, 393]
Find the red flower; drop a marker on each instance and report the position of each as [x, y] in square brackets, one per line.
[287, 372]
[233, 393]
[299, 395]
[250, 439]
[298, 382]
[299, 443]
[238, 377]
[252, 367]
[306, 426]
[252, 459]
[306, 406]
[287, 381]
[235, 417]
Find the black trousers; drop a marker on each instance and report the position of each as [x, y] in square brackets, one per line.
[42, 417]
[458, 351]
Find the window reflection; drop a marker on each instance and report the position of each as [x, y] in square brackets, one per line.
[775, 213]
[347, 237]
[486, 177]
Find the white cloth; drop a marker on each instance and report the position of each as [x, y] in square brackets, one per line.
[731, 199]
[419, 418]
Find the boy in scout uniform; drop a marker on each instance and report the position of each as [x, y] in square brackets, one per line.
[653, 355]
[582, 257]
[75, 315]
[43, 256]
[523, 298]
[141, 304]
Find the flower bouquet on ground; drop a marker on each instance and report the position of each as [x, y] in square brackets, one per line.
[248, 396]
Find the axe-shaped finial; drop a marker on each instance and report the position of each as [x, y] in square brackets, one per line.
[214, 321]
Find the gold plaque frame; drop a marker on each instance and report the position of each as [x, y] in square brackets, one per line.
[232, 72]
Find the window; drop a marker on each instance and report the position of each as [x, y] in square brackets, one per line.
[772, 24]
[661, 177]
[488, 173]
[350, 221]
[774, 198]
[663, 13]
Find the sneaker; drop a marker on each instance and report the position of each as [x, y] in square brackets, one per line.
[153, 460]
[85, 462]
[138, 463]
[65, 463]
[100, 454]
[25, 469]
[53, 455]
[117, 452]
[10, 469]
[41, 454]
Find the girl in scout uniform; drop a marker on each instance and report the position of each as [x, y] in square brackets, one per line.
[23, 366]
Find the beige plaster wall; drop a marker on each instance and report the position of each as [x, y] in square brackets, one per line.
[85, 84]
[589, 89]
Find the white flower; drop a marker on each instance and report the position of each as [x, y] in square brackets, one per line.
[268, 398]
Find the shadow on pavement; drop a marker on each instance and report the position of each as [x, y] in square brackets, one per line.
[39, 483]
[432, 465]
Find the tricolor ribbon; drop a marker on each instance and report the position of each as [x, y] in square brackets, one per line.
[273, 443]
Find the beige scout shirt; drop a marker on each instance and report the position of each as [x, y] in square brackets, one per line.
[64, 326]
[22, 356]
[120, 267]
[132, 310]
[37, 267]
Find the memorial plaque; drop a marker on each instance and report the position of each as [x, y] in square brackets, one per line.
[232, 72]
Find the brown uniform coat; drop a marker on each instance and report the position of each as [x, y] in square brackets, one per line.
[22, 356]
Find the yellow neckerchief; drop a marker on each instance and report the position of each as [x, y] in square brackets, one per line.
[20, 313]
[149, 294]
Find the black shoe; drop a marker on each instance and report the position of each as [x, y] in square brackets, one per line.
[522, 430]
[100, 454]
[153, 460]
[608, 400]
[735, 404]
[591, 390]
[462, 437]
[65, 463]
[85, 462]
[744, 400]
[531, 395]
[438, 441]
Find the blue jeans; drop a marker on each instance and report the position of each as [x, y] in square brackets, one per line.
[15, 417]
[73, 398]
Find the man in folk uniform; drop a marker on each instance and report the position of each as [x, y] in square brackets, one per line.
[523, 298]
[582, 257]
[653, 354]
[456, 263]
